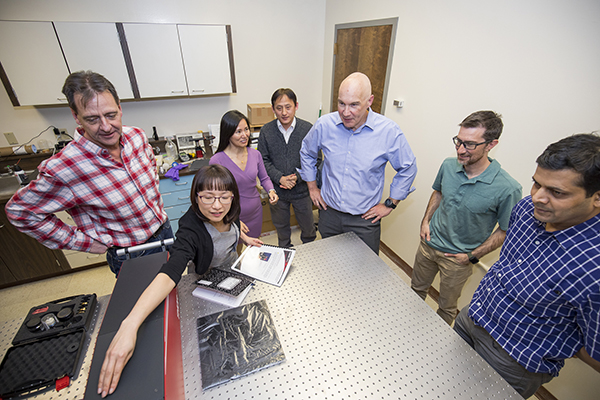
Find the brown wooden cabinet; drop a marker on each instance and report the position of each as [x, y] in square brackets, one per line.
[5, 275]
[23, 258]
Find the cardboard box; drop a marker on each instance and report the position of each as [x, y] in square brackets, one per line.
[260, 113]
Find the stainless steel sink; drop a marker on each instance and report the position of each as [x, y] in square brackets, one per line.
[8, 185]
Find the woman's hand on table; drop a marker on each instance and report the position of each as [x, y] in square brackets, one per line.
[118, 354]
[121, 348]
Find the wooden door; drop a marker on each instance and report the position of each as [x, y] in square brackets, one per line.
[365, 49]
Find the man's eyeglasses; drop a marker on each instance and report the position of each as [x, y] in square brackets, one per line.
[211, 199]
[467, 145]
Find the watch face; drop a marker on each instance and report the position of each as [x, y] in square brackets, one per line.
[388, 203]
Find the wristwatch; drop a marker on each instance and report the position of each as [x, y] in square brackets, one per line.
[472, 258]
[389, 203]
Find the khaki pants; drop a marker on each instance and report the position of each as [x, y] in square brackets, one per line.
[453, 276]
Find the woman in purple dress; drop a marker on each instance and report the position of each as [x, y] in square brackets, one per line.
[246, 164]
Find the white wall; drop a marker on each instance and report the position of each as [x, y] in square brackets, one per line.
[275, 44]
[535, 61]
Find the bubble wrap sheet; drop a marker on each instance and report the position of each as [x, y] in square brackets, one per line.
[350, 329]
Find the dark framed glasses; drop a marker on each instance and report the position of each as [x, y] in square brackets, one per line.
[467, 145]
[211, 199]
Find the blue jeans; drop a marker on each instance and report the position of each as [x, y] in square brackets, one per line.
[114, 261]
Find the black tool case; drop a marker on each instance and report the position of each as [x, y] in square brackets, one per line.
[47, 348]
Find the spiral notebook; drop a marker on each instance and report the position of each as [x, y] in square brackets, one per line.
[269, 264]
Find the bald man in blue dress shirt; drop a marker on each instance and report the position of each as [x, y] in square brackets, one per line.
[357, 143]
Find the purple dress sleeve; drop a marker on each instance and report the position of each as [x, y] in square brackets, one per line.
[265, 181]
[251, 207]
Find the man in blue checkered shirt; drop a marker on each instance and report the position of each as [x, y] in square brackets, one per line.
[540, 303]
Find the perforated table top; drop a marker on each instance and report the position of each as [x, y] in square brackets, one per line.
[350, 329]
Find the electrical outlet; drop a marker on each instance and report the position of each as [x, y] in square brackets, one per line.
[59, 134]
[10, 137]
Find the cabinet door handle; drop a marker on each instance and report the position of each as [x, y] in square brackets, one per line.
[197, 90]
[182, 198]
[181, 184]
[177, 91]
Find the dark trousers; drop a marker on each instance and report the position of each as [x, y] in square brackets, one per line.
[114, 261]
[524, 382]
[280, 215]
[333, 222]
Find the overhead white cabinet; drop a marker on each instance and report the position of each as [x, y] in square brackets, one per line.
[95, 46]
[206, 58]
[32, 60]
[143, 61]
[156, 59]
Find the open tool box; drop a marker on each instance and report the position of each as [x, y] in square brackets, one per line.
[47, 348]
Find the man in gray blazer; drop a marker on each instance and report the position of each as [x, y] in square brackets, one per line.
[279, 143]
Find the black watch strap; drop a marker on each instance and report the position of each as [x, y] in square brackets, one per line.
[389, 203]
[472, 258]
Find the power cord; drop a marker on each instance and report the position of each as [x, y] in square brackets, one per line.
[30, 140]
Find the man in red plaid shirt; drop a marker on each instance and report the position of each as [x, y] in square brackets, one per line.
[105, 179]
